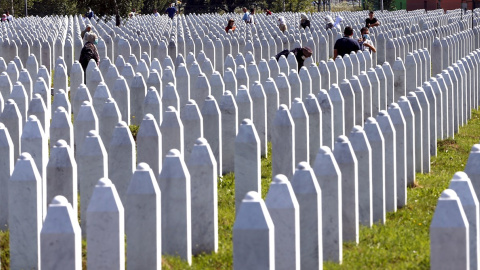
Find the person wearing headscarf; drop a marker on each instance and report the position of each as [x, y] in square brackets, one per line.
[281, 24]
[304, 21]
[338, 20]
[87, 29]
[230, 26]
[89, 50]
[328, 22]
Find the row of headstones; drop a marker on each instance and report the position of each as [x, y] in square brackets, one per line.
[183, 203]
[294, 93]
[454, 230]
[57, 47]
[384, 145]
[283, 66]
[45, 49]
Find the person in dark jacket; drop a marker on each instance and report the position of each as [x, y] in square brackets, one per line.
[300, 54]
[304, 22]
[89, 51]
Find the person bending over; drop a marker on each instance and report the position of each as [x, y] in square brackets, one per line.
[300, 55]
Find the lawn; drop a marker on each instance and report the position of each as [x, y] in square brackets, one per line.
[403, 243]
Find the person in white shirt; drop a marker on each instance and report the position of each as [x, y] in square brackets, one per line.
[251, 16]
[365, 41]
[155, 13]
[9, 16]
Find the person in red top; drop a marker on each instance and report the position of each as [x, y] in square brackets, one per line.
[268, 12]
[230, 26]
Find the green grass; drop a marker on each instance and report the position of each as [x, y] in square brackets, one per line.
[226, 217]
[403, 243]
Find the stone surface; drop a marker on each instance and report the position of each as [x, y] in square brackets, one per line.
[468, 198]
[409, 118]
[106, 228]
[449, 234]
[25, 203]
[172, 132]
[283, 143]
[314, 125]
[419, 130]
[229, 110]
[152, 104]
[85, 121]
[247, 161]
[253, 235]
[121, 168]
[338, 103]
[35, 143]
[329, 178]
[60, 238]
[284, 210]
[149, 144]
[203, 172]
[6, 169]
[259, 114]
[301, 122]
[212, 129]
[348, 164]
[377, 143]
[396, 116]
[143, 220]
[62, 174]
[363, 153]
[92, 163]
[327, 118]
[174, 181]
[389, 140]
[192, 126]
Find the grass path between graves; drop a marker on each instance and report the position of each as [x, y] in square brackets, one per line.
[403, 243]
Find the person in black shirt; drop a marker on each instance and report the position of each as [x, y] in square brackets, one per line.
[300, 55]
[346, 45]
[304, 22]
[371, 21]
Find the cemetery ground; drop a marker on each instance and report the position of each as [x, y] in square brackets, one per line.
[403, 243]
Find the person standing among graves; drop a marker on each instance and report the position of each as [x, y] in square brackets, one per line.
[281, 24]
[347, 44]
[171, 11]
[90, 14]
[251, 16]
[118, 19]
[9, 16]
[304, 21]
[300, 55]
[230, 26]
[328, 22]
[268, 12]
[365, 41]
[245, 14]
[89, 51]
[155, 13]
[338, 20]
[87, 29]
[371, 21]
